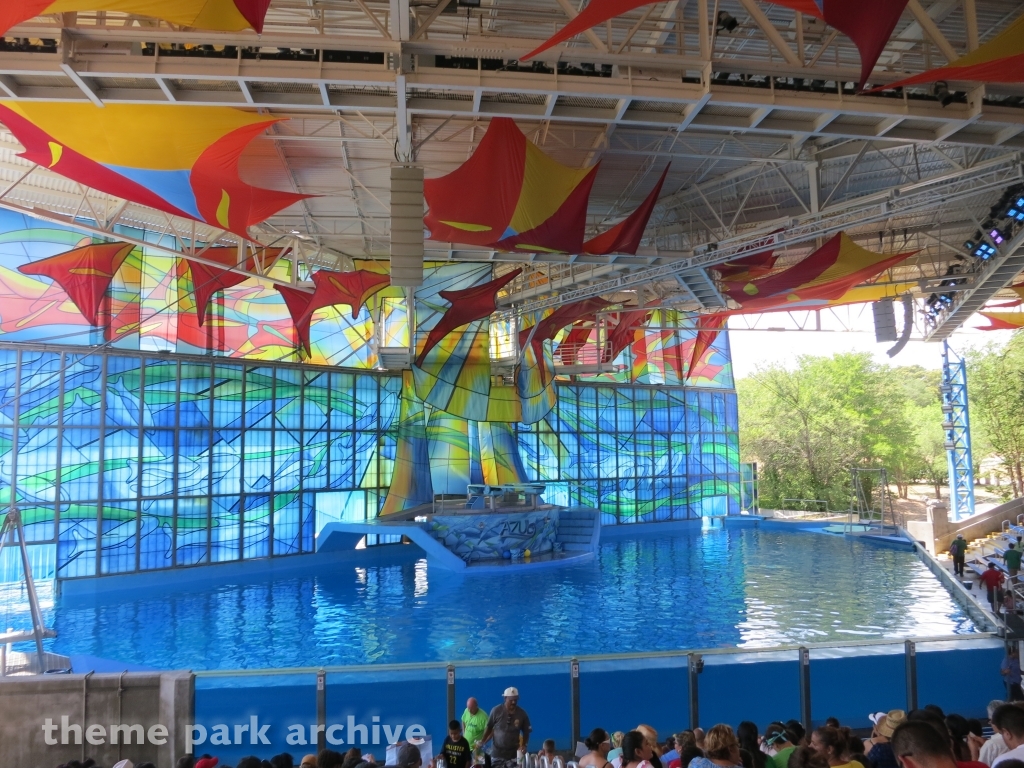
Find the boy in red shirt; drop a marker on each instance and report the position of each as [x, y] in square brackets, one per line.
[992, 579]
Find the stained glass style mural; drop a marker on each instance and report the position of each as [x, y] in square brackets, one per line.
[149, 441]
[159, 462]
[639, 454]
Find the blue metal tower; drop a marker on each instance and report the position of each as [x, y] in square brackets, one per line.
[957, 425]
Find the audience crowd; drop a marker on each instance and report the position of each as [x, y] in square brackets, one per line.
[923, 738]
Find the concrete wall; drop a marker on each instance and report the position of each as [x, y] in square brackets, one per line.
[101, 701]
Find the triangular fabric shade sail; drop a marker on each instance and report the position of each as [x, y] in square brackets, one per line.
[549, 327]
[569, 349]
[331, 288]
[351, 288]
[298, 303]
[621, 336]
[828, 273]
[207, 279]
[747, 267]
[709, 326]
[182, 160]
[828, 277]
[84, 274]
[218, 15]
[1000, 60]
[1003, 321]
[510, 196]
[467, 305]
[869, 23]
[625, 236]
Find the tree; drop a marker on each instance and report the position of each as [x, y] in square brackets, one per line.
[808, 426]
[995, 386]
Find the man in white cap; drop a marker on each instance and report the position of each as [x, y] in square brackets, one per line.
[510, 727]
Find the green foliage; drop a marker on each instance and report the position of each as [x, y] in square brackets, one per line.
[995, 388]
[807, 427]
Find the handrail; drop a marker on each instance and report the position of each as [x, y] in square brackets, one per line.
[443, 665]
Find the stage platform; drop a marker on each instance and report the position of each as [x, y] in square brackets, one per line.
[480, 541]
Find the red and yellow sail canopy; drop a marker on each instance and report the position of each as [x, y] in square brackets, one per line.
[1000, 60]
[182, 160]
[869, 23]
[217, 15]
[511, 196]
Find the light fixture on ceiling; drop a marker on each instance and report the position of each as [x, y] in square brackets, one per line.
[726, 22]
[941, 92]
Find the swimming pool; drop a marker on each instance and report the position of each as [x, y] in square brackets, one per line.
[745, 587]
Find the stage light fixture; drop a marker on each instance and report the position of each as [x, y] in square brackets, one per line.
[941, 92]
[984, 251]
[726, 22]
[1016, 209]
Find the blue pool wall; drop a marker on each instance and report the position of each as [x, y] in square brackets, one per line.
[615, 693]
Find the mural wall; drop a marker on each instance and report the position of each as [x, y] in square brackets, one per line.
[150, 441]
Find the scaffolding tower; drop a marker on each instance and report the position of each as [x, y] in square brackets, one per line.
[957, 425]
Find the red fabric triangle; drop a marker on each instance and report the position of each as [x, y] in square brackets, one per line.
[569, 349]
[84, 274]
[253, 11]
[351, 288]
[556, 321]
[709, 325]
[297, 302]
[467, 305]
[622, 334]
[625, 236]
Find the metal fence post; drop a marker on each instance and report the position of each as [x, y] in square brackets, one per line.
[910, 657]
[321, 710]
[695, 666]
[574, 689]
[805, 689]
[451, 692]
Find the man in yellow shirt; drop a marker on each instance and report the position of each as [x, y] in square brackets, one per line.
[474, 722]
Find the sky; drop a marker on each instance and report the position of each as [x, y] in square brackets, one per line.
[844, 329]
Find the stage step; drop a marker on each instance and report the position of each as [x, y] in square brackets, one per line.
[576, 529]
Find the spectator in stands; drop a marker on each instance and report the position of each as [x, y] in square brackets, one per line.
[309, 761]
[636, 750]
[686, 749]
[474, 722]
[328, 758]
[831, 744]
[780, 744]
[456, 749]
[283, 760]
[958, 732]
[616, 751]
[698, 738]
[993, 581]
[1008, 721]
[721, 749]
[805, 757]
[750, 741]
[958, 551]
[652, 740]
[854, 752]
[547, 750]
[352, 758]
[670, 751]
[917, 744]
[186, 761]
[1010, 670]
[832, 722]
[510, 728]
[251, 761]
[599, 745]
[995, 746]
[409, 756]
[796, 728]
[881, 754]
[1012, 557]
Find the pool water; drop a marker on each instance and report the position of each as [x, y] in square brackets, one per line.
[698, 589]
